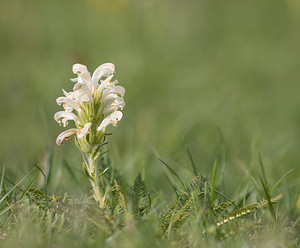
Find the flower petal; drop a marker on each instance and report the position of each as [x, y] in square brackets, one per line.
[83, 73]
[65, 135]
[117, 103]
[65, 116]
[104, 70]
[108, 96]
[82, 92]
[120, 90]
[74, 80]
[106, 84]
[68, 103]
[113, 119]
[115, 90]
[83, 131]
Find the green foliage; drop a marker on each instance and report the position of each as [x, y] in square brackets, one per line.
[120, 207]
[141, 201]
[242, 211]
[192, 197]
[222, 206]
[133, 217]
[195, 199]
[190, 68]
[38, 197]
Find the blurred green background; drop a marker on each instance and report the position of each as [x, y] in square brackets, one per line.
[220, 77]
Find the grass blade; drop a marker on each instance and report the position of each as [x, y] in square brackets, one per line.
[49, 166]
[16, 185]
[29, 186]
[280, 180]
[268, 199]
[2, 179]
[173, 172]
[262, 167]
[192, 160]
[213, 182]
[45, 182]
[190, 156]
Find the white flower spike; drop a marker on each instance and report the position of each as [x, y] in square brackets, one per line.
[94, 103]
[93, 100]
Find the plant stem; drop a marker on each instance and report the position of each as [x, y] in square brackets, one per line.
[94, 181]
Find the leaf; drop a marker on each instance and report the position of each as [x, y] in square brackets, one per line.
[280, 180]
[86, 171]
[222, 206]
[213, 182]
[16, 185]
[192, 195]
[251, 208]
[121, 205]
[172, 171]
[141, 196]
[2, 179]
[268, 199]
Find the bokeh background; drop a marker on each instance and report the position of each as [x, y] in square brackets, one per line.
[218, 77]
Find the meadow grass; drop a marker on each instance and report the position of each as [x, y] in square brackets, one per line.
[198, 214]
[211, 124]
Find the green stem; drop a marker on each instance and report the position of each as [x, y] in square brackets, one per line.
[94, 181]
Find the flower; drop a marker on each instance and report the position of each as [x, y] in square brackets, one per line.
[94, 104]
[113, 119]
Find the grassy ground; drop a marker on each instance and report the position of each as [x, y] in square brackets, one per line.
[218, 80]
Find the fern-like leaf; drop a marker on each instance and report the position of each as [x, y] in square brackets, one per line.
[222, 206]
[194, 192]
[121, 204]
[238, 213]
[141, 196]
